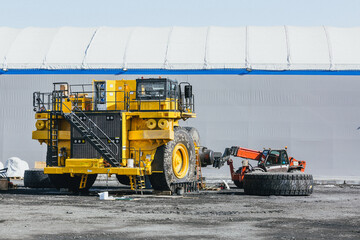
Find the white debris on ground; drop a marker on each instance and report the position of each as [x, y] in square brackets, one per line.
[105, 196]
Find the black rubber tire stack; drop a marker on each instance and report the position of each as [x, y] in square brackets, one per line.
[281, 184]
[35, 178]
[163, 162]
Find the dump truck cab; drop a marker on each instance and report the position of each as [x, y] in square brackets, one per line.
[158, 93]
[156, 88]
[129, 128]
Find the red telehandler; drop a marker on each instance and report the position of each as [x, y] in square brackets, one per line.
[275, 173]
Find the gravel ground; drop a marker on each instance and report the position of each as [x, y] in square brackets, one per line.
[331, 212]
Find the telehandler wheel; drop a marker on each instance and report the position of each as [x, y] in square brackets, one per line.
[123, 179]
[71, 183]
[282, 184]
[176, 160]
[195, 135]
[238, 183]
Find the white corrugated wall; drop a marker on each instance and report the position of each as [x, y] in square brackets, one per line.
[315, 116]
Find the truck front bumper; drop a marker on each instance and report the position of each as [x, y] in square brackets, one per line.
[91, 166]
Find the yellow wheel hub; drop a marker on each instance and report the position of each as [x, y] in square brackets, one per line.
[180, 160]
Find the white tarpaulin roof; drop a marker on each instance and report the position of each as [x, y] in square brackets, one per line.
[264, 48]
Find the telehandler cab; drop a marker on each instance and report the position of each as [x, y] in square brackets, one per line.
[275, 173]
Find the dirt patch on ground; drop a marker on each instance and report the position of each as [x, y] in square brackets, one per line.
[331, 212]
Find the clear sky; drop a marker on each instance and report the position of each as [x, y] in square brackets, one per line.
[157, 13]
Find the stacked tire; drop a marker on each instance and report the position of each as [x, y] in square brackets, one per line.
[281, 184]
[35, 178]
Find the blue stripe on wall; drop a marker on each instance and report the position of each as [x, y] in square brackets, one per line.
[178, 72]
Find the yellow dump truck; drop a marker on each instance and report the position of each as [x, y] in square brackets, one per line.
[129, 128]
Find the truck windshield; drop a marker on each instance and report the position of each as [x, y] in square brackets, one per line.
[151, 89]
[273, 158]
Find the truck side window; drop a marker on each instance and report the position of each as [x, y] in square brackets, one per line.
[284, 158]
[173, 90]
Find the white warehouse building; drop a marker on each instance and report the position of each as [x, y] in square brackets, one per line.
[254, 87]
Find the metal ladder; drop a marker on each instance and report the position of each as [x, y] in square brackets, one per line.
[88, 132]
[53, 149]
[141, 177]
[199, 178]
[140, 180]
[137, 182]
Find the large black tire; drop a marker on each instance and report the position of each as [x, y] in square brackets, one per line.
[123, 179]
[238, 183]
[163, 161]
[195, 135]
[281, 184]
[71, 183]
[35, 178]
[65, 181]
